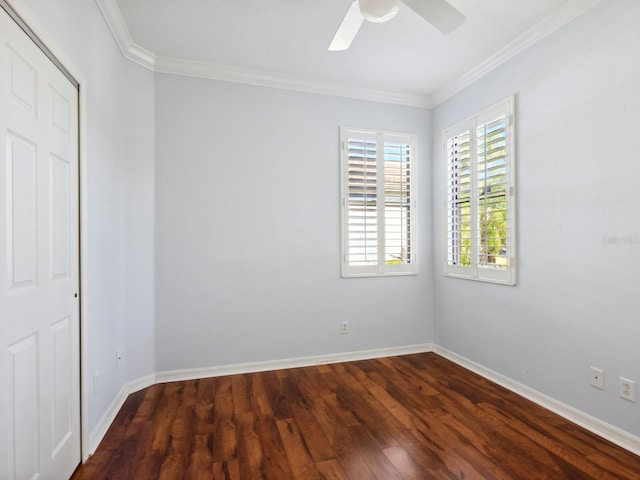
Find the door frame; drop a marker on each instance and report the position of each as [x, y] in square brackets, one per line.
[38, 29]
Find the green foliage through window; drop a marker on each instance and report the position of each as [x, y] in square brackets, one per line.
[479, 173]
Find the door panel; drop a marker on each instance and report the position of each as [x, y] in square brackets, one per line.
[22, 210]
[23, 80]
[62, 393]
[60, 218]
[39, 263]
[24, 431]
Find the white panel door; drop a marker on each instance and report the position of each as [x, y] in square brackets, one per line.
[39, 305]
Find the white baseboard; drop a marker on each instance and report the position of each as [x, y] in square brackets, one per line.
[613, 434]
[98, 433]
[594, 425]
[253, 367]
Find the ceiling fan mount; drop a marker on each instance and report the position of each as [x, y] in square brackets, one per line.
[378, 11]
[438, 13]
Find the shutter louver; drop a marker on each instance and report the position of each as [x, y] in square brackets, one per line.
[397, 206]
[492, 189]
[459, 200]
[362, 185]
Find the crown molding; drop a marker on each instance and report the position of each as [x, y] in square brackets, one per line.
[226, 73]
[113, 16]
[189, 68]
[570, 10]
[565, 14]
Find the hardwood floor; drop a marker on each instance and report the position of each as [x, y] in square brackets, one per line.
[409, 417]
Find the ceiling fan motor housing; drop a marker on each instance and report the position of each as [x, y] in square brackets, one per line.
[378, 11]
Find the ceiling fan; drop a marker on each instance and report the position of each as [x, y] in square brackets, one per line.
[437, 12]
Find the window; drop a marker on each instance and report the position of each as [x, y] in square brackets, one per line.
[480, 196]
[378, 203]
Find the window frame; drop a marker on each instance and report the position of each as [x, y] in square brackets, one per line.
[381, 268]
[505, 271]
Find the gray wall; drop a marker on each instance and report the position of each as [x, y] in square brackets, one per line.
[248, 228]
[118, 167]
[242, 184]
[577, 302]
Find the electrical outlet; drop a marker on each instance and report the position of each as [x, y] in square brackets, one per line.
[597, 378]
[96, 383]
[628, 389]
[344, 327]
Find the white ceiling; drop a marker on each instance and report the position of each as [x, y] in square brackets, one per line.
[283, 43]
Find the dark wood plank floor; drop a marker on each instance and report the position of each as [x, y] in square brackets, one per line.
[409, 417]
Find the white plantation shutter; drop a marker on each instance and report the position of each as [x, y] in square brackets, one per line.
[480, 196]
[492, 231]
[458, 190]
[378, 204]
[397, 203]
[362, 206]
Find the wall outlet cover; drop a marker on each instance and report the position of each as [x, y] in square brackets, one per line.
[597, 378]
[628, 389]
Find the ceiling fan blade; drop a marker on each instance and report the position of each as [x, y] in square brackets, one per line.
[438, 13]
[348, 28]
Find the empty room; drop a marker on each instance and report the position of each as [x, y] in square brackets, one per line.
[303, 239]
